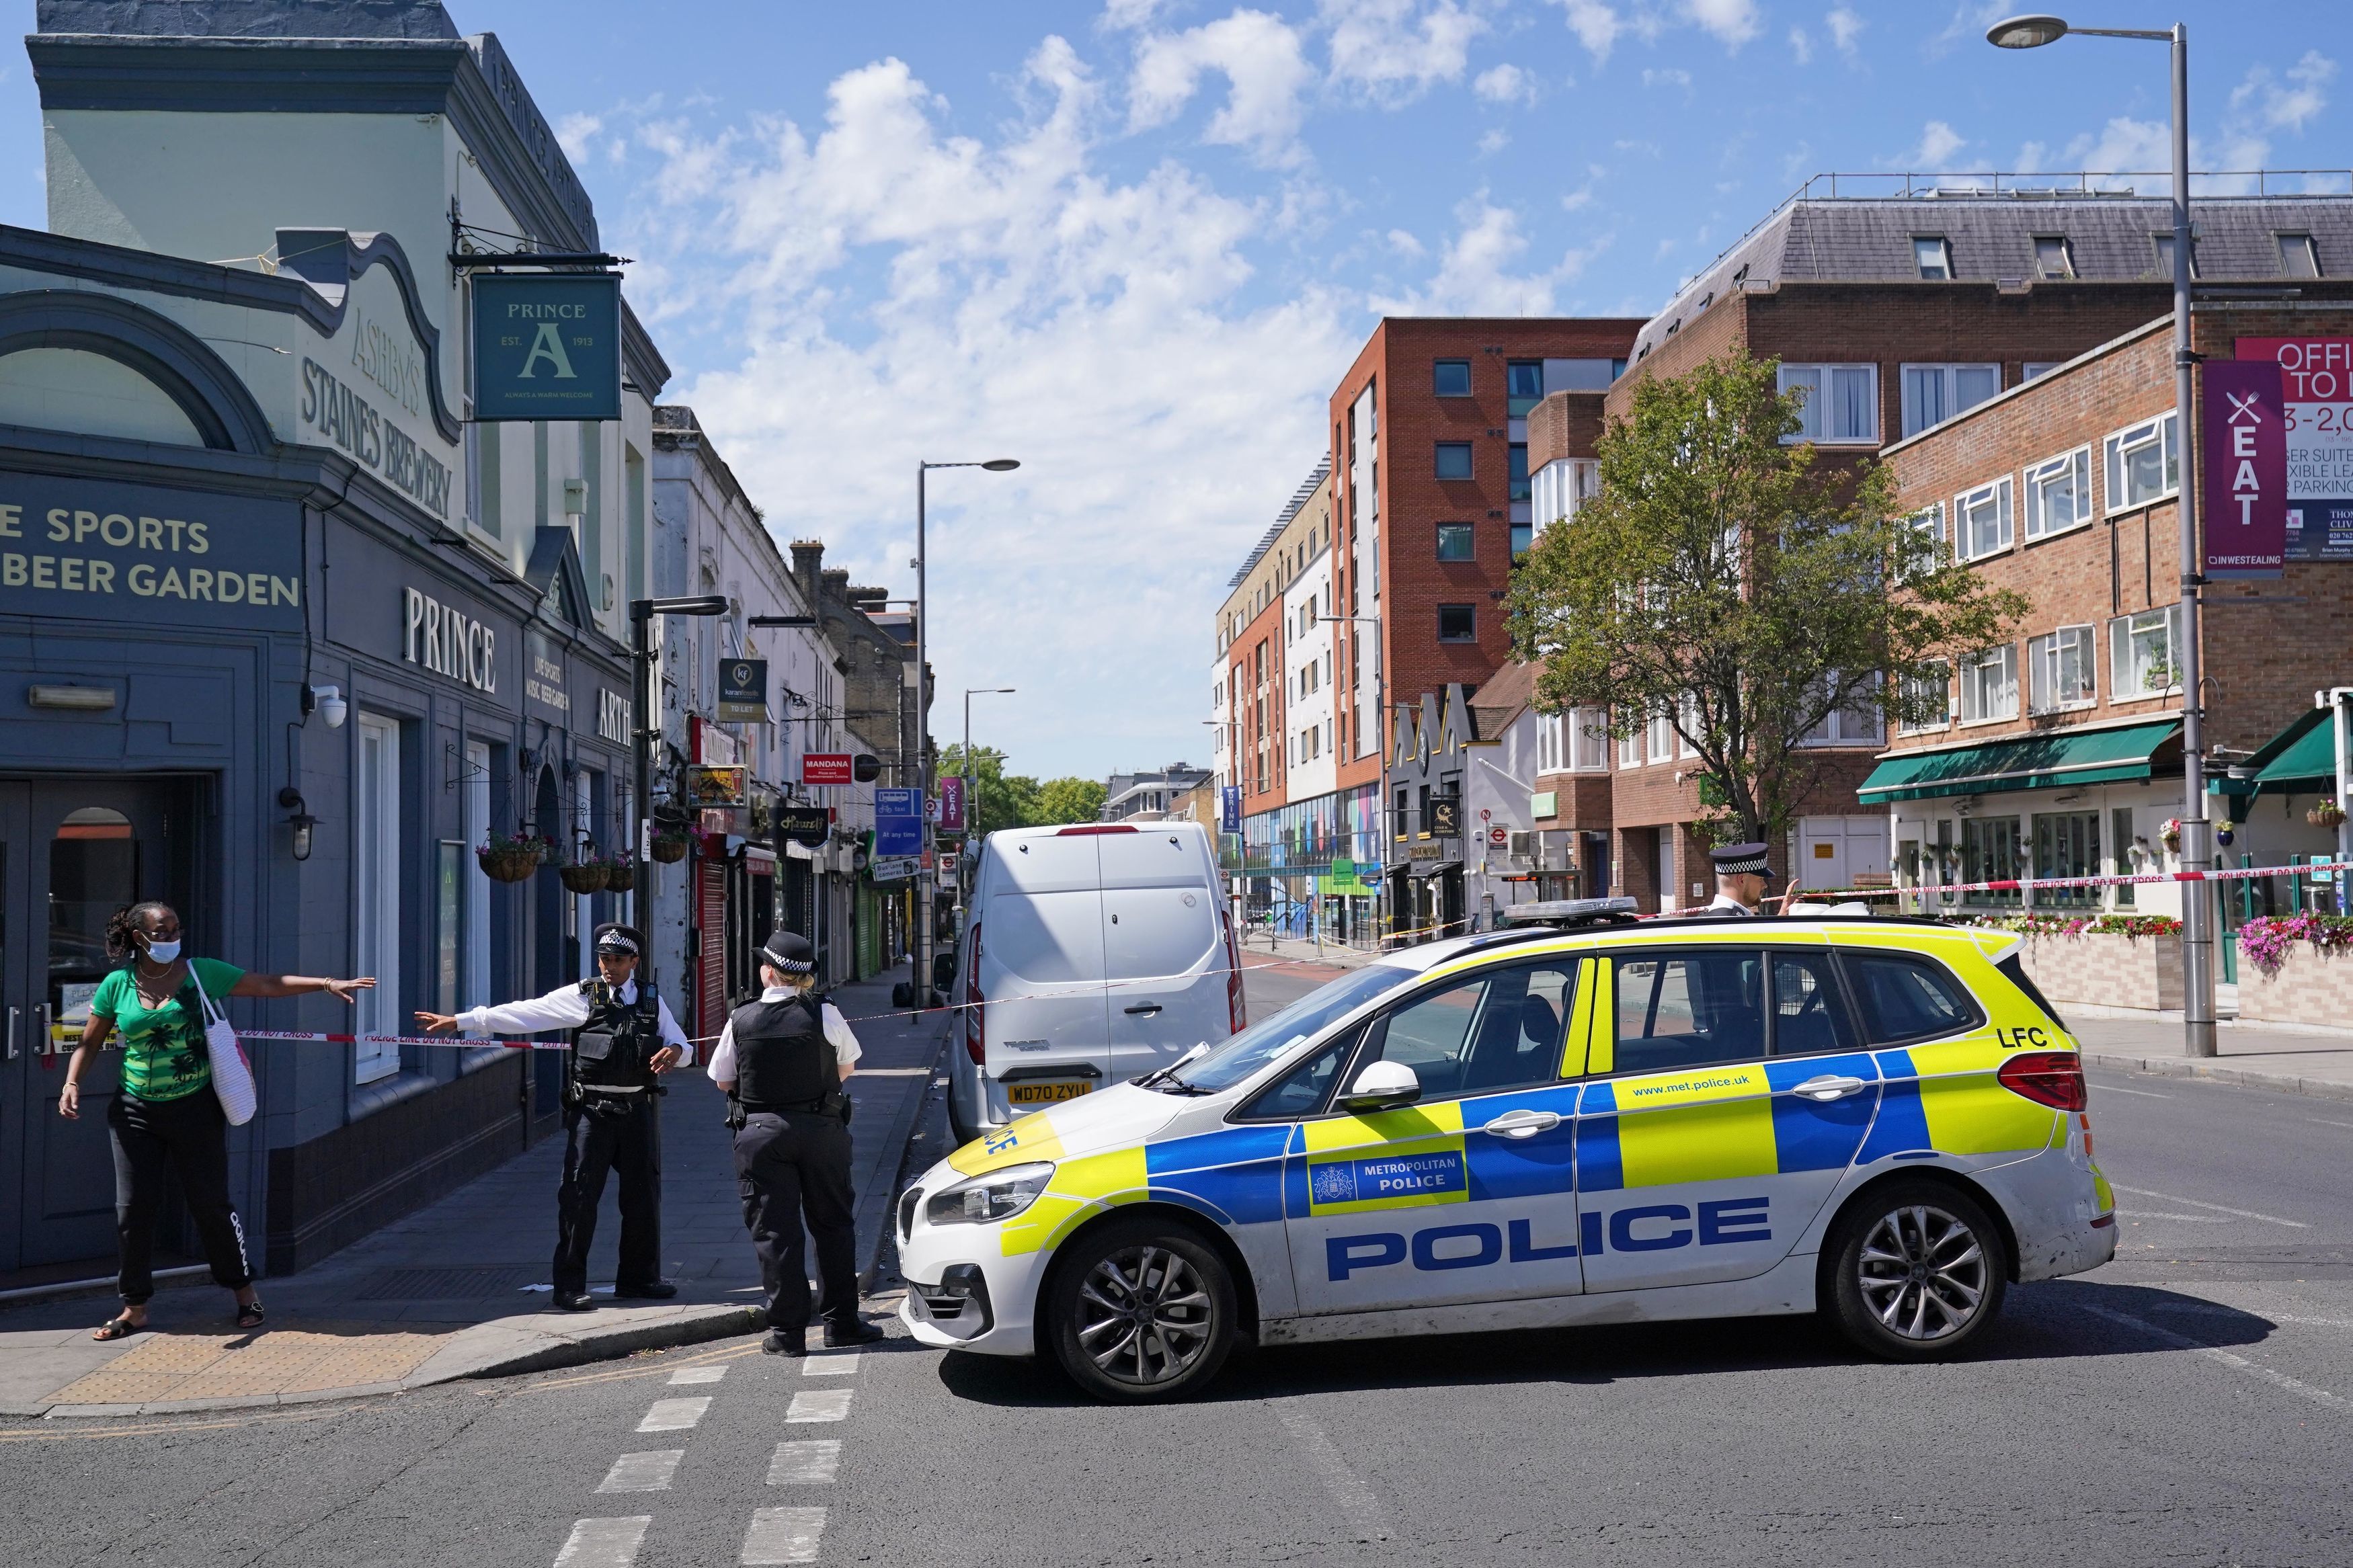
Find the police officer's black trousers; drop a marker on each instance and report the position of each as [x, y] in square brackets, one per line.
[788, 1165]
[630, 1145]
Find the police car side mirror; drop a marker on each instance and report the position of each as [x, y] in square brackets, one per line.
[1382, 1086]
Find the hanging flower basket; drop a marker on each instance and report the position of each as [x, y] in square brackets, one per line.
[670, 846]
[620, 876]
[589, 876]
[506, 859]
[2327, 814]
[2170, 833]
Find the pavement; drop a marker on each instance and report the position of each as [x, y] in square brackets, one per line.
[2250, 1056]
[455, 1289]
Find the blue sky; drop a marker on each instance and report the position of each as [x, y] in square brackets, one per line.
[1136, 244]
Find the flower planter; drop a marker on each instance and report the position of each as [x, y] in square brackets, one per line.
[2313, 986]
[511, 863]
[2105, 970]
[669, 847]
[585, 876]
[620, 876]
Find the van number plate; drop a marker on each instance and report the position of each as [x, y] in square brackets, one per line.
[1045, 1092]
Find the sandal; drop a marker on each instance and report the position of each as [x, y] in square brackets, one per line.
[250, 1315]
[117, 1328]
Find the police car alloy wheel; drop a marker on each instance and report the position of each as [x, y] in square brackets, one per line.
[1918, 1271]
[1139, 1312]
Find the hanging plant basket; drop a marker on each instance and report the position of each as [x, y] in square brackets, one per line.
[585, 876]
[620, 876]
[669, 847]
[2327, 814]
[505, 860]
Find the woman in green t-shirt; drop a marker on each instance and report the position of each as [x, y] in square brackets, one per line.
[167, 1115]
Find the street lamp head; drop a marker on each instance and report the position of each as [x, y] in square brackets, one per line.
[2028, 32]
[705, 604]
[1002, 465]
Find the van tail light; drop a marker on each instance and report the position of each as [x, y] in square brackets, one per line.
[2054, 1079]
[1234, 1007]
[1093, 828]
[974, 1008]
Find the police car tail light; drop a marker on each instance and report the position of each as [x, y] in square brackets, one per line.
[2054, 1079]
[1000, 1195]
[974, 1009]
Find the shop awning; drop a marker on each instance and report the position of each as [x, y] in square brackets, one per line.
[2058, 761]
[2297, 760]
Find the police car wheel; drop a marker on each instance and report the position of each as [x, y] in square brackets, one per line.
[1141, 1311]
[1917, 1270]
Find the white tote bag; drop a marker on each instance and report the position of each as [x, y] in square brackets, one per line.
[232, 1074]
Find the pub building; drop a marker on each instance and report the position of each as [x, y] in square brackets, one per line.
[285, 635]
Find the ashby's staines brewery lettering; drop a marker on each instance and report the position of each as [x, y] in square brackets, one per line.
[449, 642]
[351, 422]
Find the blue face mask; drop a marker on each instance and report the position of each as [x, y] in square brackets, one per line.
[164, 951]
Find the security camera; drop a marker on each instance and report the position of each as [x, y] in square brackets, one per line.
[328, 704]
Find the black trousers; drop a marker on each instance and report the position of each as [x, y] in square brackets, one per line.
[791, 1165]
[627, 1142]
[189, 1137]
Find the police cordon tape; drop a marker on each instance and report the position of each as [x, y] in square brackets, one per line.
[2025, 884]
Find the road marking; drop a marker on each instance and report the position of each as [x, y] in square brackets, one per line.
[604, 1542]
[697, 1374]
[674, 1414]
[818, 1404]
[2185, 1218]
[783, 1535]
[2320, 1122]
[840, 1363]
[1357, 1505]
[2144, 1093]
[546, 1385]
[2235, 1362]
[812, 1463]
[2202, 1310]
[68, 1434]
[2218, 1208]
[646, 1472]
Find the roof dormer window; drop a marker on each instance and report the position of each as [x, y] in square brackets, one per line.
[2051, 256]
[2298, 259]
[1933, 257]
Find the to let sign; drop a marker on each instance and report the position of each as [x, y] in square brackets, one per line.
[826, 768]
[742, 690]
[2246, 464]
[547, 346]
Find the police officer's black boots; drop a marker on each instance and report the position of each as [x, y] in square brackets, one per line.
[854, 1330]
[786, 1342]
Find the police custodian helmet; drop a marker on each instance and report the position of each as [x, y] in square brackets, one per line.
[788, 952]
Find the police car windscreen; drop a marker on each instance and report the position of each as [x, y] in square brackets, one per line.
[1278, 1032]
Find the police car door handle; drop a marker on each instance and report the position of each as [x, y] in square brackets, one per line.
[1522, 1123]
[1829, 1087]
[1146, 1008]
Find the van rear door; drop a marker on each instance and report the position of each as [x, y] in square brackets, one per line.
[1164, 956]
[1041, 965]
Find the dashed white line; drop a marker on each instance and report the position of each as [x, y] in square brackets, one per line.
[783, 1535]
[811, 1463]
[2202, 1309]
[2185, 1218]
[818, 1404]
[838, 1364]
[2144, 1093]
[697, 1374]
[646, 1472]
[2218, 1208]
[2323, 1121]
[674, 1414]
[1357, 1505]
[604, 1542]
[2235, 1362]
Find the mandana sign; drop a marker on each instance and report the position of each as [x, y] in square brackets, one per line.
[73, 549]
[547, 346]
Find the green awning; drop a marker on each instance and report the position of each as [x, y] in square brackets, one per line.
[2297, 760]
[2057, 761]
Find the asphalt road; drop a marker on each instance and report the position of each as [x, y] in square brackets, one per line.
[2190, 1403]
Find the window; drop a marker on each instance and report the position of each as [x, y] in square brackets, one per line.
[1454, 459]
[1904, 998]
[1629, 749]
[1933, 257]
[1302, 1090]
[1661, 741]
[1517, 469]
[1981, 522]
[2141, 647]
[1935, 392]
[2051, 256]
[1858, 723]
[1454, 541]
[1928, 523]
[1840, 401]
[2067, 844]
[1494, 1031]
[1458, 622]
[2120, 823]
[1451, 378]
[2059, 667]
[1989, 686]
[1689, 1009]
[1524, 538]
[474, 970]
[2297, 256]
[2164, 244]
[1525, 385]
[1588, 741]
[1688, 723]
[2144, 462]
[377, 835]
[2035, 367]
[1928, 702]
[1990, 852]
[1809, 1014]
[2059, 494]
[1551, 730]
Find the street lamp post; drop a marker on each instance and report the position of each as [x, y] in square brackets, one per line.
[649, 734]
[925, 913]
[1380, 734]
[971, 814]
[2030, 32]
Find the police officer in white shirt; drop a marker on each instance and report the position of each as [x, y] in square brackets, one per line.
[783, 1060]
[623, 1037]
[1741, 870]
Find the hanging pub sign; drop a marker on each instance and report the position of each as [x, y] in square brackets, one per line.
[742, 690]
[2245, 469]
[805, 824]
[547, 346]
[710, 787]
[826, 768]
[1445, 816]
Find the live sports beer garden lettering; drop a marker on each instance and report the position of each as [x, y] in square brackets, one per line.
[85, 569]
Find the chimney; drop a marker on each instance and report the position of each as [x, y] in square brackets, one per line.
[836, 580]
[808, 555]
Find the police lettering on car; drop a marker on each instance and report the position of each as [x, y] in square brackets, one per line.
[783, 1060]
[623, 1039]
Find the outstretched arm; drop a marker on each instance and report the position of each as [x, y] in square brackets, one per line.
[253, 985]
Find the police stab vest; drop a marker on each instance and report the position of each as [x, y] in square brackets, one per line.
[612, 1052]
[782, 1058]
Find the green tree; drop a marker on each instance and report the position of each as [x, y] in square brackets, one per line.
[1069, 800]
[1724, 580]
[996, 799]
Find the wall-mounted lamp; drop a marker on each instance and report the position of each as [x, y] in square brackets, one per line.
[299, 817]
[327, 702]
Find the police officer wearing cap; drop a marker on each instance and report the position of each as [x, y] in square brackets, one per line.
[623, 1038]
[1740, 873]
[783, 1060]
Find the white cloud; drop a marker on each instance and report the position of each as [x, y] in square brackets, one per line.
[1845, 28]
[1938, 142]
[1731, 22]
[1493, 140]
[1506, 84]
[1259, 54]
[573, 133]
[1475, 274]
[2285, 105]
[1126, 15]
[1801, 46]
[1671, 77]
[1596, 25]
[1393, 50]
[1404, 244]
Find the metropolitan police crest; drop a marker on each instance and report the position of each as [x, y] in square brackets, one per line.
[1332, 1184]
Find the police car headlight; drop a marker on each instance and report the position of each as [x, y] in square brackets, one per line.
[1000, 1195]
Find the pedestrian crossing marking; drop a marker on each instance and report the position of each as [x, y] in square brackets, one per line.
[646, 1472]
[818, 1404]
[674, 1414]
[838, 1363]
[606, 1543]
[697, 1374]
[810, 1463]
[783, 1535]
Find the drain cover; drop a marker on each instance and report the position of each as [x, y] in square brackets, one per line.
[443, 1284]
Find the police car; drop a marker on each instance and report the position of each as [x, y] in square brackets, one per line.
[1879, 1119]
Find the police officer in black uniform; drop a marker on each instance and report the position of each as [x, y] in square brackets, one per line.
[623, 1039]
[1741, 870]
[783, 1060]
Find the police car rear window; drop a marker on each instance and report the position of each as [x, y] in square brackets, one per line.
[1903, 997]
[2015, 972]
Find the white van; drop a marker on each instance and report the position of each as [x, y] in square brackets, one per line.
[1091, 955]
